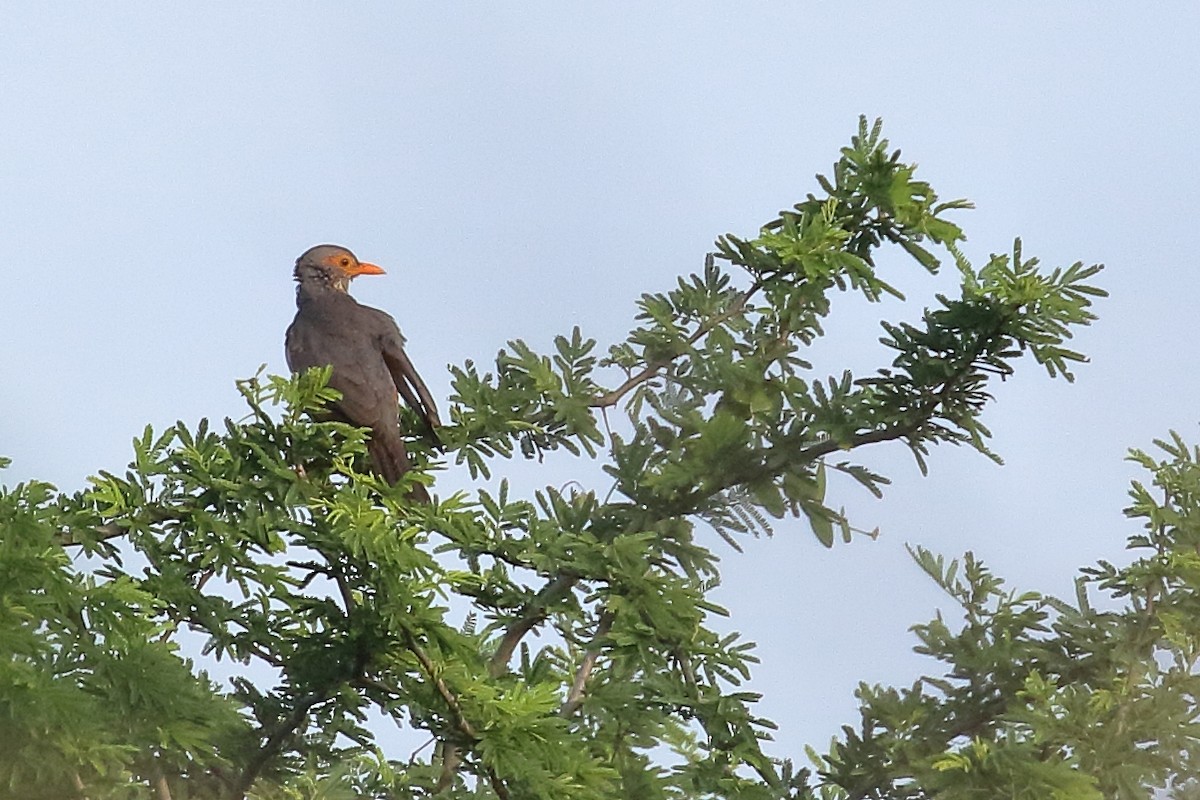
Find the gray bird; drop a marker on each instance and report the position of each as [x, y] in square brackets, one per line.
[366, 351]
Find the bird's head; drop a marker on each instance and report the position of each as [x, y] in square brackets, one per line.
[333, 266]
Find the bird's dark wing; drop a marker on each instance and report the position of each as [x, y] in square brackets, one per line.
[404, 374]
[411, 387]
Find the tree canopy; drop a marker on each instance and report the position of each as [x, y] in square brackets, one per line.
[336, 601]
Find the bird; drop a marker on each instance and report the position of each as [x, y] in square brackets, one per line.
[364, 347]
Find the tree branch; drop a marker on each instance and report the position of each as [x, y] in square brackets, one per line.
[162, 790]
[430, 669]
[451, 761]
[535, 612]
[451, 757]
[111, 530]
[780, 454]
[575, 695]
[654, 367]
[274, 743]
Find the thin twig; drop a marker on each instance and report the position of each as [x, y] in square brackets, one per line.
[79, 787]
[413, 758]
[535, 612]
[111, 530]
[460, 721]
[162, 791]
[575, 695]
[204, 576]
[451, 760]
[451, 754]
[275, 741]
[654, 367]
[344, 590]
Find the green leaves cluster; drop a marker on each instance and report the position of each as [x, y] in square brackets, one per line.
[93, 693]
[1043, 698]
[552, 645]
[533, 403]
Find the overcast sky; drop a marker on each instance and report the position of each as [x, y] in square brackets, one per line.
[523, 170]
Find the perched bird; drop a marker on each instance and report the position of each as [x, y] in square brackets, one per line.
[366, 351]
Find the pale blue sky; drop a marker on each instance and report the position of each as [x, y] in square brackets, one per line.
[523, 170]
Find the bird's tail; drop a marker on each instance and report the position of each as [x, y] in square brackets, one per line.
[389, 460]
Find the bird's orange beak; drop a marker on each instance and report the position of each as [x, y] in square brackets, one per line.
[364, 268]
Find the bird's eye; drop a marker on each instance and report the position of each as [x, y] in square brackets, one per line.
[345, 262]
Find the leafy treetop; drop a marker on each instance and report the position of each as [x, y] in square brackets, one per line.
[268, 540]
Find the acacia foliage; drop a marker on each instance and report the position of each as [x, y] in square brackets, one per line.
[267, 540]
[1045, 698]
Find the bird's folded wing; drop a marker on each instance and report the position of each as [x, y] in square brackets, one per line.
[408, 382]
